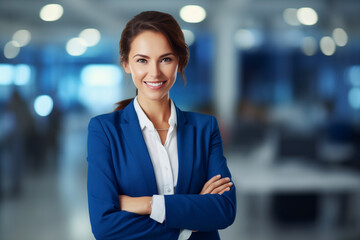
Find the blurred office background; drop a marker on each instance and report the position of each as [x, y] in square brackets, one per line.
[282, 78]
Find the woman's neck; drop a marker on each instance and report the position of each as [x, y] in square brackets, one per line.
[158, 112]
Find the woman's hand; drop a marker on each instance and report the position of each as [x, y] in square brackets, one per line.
[217, 185]
[138, 205]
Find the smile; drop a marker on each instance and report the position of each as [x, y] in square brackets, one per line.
[155, 85]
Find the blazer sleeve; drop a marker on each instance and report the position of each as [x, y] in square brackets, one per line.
[204, 212]
[106, 218]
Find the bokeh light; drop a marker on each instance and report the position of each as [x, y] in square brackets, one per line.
[327, 46]
[43, 105]
[22, 37]
[245, 39]
[22, 74]
[7, 72]
[193, 13]
[353, 74]
[51, 12]
[91, 36]
[189, 37]
[76, 46]
[11, 49]
[340, 37]
[354, 97]
[307, 16]
[101, 75]
[309, 46]
[290, 16]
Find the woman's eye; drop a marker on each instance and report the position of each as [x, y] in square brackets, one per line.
[166, 59]
[141, 60]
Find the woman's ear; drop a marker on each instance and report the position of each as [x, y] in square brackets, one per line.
[126, 67]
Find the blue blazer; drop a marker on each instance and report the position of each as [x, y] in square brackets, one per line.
[119, 164]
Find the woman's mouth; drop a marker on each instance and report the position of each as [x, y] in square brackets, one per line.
[155, 85]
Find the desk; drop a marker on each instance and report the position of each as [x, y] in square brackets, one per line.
[257, 183]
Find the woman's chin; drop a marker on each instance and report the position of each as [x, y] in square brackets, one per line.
[158, 96]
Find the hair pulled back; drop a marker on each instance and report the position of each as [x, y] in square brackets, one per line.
[159, 22]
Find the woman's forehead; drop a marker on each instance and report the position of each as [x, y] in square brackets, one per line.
[150, 42]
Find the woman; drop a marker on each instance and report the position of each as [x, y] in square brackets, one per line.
[154, 171]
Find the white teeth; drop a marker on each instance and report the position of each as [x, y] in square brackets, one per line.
[155, 84]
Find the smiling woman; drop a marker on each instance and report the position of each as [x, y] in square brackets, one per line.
[156, 172]
[153, 66]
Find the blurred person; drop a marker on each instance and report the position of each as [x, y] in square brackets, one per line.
[154, 171]
[53, 134]
[16, 142]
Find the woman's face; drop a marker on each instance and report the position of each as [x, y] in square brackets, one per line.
[152, 64]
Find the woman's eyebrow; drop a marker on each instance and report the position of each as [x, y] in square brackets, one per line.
[167, 54]
[145, 56]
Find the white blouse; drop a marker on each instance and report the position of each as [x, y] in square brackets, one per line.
[165, 162]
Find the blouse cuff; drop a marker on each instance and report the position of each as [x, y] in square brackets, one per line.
[184, 234]
[158, 208]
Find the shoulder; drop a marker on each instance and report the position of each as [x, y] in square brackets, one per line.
[198, 119]
[107, 119]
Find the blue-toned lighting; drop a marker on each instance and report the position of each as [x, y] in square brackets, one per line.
[189, 37]
[101, 75]
[91, 36]
[309, 46]
[340, 37]
[76, 46]
[43, 105]
[11, 49]
[354, 75]
[354, 97]
[290, 16]
[247, 38]
[22, 74]
[327, 46]
[22, 37]
[7, 73]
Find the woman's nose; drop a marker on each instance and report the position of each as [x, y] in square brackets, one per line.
[154, 70]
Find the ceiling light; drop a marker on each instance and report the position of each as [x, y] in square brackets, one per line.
[51, 12]
[7, 73]
[340, 37]
[91, 36]
[11, 49]
[327, 46]
[22, 74]
[22, 37]
[354, 97]
[43, 105]
[290, 16]
[76, 46]
[245, 39]
[101, 75]
[307, 16]
[308, 46]
[193, 13]
[189, 37]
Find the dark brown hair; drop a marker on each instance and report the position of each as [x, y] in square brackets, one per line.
[159, 22]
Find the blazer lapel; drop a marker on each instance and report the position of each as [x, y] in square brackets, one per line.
[186, 143]
[137, 146]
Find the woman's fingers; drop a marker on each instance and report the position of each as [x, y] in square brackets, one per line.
[218, 183]
[226, 189]
[215, 185]
[208, 183]
[223, 188]
[212, 180]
